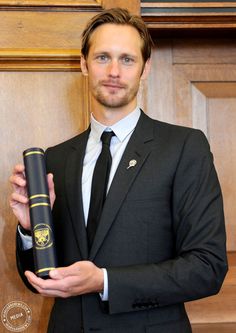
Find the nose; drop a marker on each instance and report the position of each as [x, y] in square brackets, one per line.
[114, 69]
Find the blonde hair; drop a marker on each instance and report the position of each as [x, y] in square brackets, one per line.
[121, 17]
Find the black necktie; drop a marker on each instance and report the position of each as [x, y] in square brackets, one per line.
[99, 186]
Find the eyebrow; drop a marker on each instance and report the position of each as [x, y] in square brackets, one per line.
[122, 55]
[129, 55]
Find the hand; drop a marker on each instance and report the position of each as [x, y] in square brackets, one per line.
[80, 278]
[19, 201]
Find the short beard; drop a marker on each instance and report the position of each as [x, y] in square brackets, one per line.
[115, 103]
[110, 102]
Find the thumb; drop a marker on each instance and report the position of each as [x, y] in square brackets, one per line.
[51, 188]
[62, 272]
[56, 274]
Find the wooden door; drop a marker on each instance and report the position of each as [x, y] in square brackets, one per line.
[193, 83]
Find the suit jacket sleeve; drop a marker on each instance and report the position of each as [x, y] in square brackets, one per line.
[24, 260]
[199, 265]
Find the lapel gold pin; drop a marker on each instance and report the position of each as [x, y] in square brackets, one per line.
[132, 163]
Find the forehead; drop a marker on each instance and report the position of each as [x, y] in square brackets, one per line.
[113, 37]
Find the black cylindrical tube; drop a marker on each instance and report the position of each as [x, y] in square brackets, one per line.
[40, 212]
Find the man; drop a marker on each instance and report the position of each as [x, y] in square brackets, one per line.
[160, 240]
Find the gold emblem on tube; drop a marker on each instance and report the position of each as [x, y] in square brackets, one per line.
[43, 236]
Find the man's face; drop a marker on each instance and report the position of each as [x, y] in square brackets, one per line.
[114, 65]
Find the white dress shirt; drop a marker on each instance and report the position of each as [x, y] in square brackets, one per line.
[123, 130]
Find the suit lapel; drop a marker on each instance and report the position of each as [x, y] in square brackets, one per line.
[74, 167]
[138, 149]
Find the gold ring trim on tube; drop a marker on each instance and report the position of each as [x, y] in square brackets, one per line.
[39, 196]
[40, 204]
[34, 152]
[45, 269]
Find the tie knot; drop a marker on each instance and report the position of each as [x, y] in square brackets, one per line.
[106, 137]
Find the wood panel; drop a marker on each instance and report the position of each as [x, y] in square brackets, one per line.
[39, 60]
[205, 51]
[71, 5]
[53, 4]
[189, 14]
[133, 6]
[42, 30]
[214, 328]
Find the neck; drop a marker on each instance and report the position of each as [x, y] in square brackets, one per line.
[110, 116]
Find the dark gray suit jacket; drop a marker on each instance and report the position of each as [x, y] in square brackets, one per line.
[161, 235]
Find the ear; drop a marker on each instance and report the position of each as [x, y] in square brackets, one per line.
[83, 65]
[146, 69]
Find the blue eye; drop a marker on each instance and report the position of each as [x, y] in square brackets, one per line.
[102, 58]
[127, 60]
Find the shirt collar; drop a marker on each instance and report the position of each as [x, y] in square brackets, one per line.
[121, 129]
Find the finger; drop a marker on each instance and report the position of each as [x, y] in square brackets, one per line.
[48, 288]
[50, 181]
[63, 272]
[54, 293]
[51, 188]
[55, 274]
[16, 198]
[18, 168]
[40, 284]
[17, 180]
[17, 174]
[32, 278]
[48, 292]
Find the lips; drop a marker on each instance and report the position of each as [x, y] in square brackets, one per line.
[113, 85]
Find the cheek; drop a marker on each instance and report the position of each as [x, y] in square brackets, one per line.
[95, 72]
[132, 75]
[133, 80]
[94, 78]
